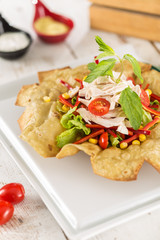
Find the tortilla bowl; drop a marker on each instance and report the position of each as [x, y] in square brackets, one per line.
[40, 124]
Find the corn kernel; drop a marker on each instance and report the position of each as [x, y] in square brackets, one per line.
[142, 137]
[65, 108]
[149, 91]
[84, 78]
[46, 99]
[136, 142]
[141, 127]
[93, 140]
[123, 145]
[65, 95]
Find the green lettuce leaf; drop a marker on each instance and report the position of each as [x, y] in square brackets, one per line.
[146, 117]
[66, 117]
[79, 124]
[68, 136]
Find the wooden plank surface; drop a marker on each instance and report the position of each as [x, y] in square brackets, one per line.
[148, 6]
[124, 22]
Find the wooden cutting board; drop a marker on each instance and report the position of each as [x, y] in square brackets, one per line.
[139, 18]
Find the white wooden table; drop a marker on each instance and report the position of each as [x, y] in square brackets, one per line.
[32, 220]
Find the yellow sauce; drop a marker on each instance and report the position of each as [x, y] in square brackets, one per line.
[47, 25]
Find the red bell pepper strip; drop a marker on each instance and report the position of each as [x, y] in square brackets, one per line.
[151, 124]
[66, 84]
[140, 131]
[155, 97]
[64, 101]
[94, 134]
[80, 81]
[96, 61]
[146, 86]
[148, 126]
[112, 133]
[148, 109]
[128, 140]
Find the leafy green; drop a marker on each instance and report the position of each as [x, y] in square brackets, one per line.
[135, 65]
[101, 69]
[146, 117]
[92, 66]
[66, 117]
[132, 107]
[68, 136]
[105, 66]
[79, 124]
[104, 47]
[73, 100]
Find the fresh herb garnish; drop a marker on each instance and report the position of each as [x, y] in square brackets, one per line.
[101, 69]
[105, 66]
[132, 106]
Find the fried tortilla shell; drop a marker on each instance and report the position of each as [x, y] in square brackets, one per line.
[40, 125]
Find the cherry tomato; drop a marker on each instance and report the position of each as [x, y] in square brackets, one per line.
[144, 98]
[6, 211]
[103, 140]
[132, 79]
[99, 106]
[12, 192]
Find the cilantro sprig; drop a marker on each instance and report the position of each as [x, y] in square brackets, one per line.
[105, 67]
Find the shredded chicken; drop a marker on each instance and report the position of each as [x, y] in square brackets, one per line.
[105, 87]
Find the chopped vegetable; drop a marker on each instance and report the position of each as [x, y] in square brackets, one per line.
[112, 133]
[155, 97]
[73, 100]
[92, 135]
[114, 140]
[66, 84]
[68, 136]
[64, 101]
[80, 81]
[150, 110]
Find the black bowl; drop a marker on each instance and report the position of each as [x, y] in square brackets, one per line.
[5, 27]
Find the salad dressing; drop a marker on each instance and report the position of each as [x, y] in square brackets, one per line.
[47, 25]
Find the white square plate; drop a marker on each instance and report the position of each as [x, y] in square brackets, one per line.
[83, 203]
